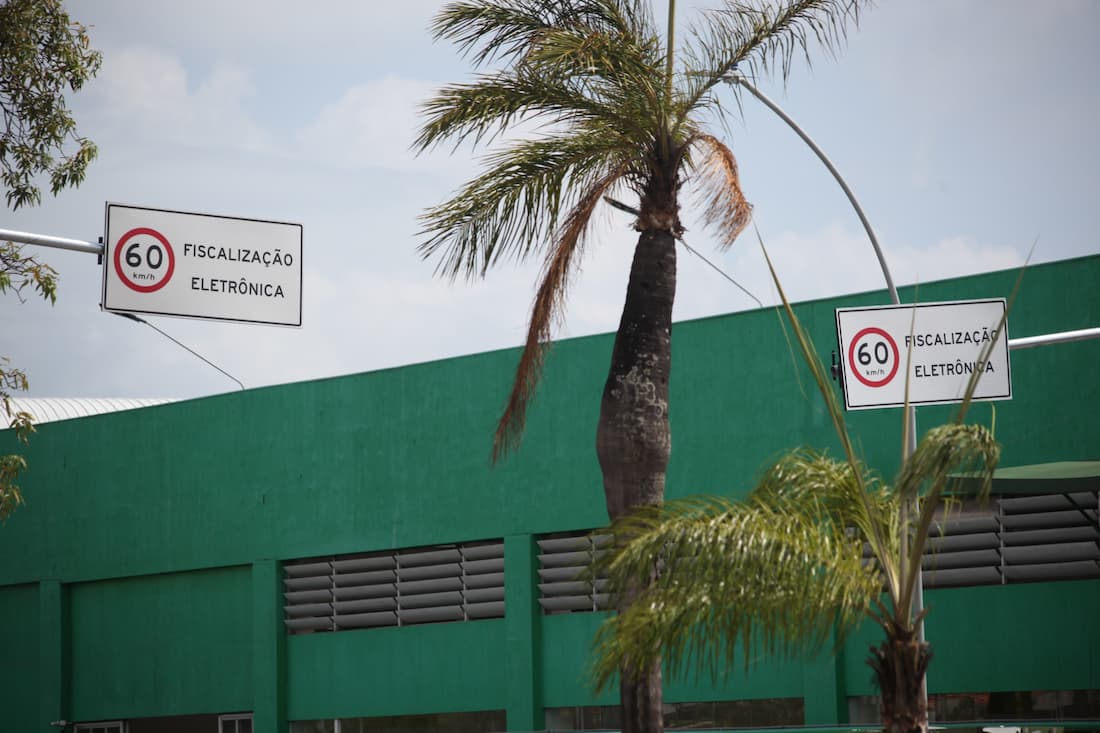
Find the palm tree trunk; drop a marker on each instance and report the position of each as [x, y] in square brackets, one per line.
[900, 664]
[633, 440]
[640, 699]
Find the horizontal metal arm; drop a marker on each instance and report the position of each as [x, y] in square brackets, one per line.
[43, 240]
[1063, 337]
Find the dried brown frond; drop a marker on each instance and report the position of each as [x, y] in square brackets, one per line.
[548, 305]
[724, 204]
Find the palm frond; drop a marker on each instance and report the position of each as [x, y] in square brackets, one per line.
[944, 450]
[810, 478]
[758, 37]
[481, 110]
[734, 579]
[883, 530]
[565, 62]
[619, 43]
[608, 66]
[549, 302]
[724, 204]
[488, 30]
[515, 205]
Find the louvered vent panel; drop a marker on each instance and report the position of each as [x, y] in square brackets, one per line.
[962, 551]
[1016, 540]
[1008, 540]
[395, 588]
[1053, 537]
[566, 584]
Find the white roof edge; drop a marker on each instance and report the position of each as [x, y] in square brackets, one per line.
[52, 409]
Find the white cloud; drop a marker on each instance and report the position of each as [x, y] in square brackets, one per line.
[147, 94]
[331, 31]
[372, 125]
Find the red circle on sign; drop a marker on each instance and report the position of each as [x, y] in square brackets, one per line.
[872, 331]
[167, 248]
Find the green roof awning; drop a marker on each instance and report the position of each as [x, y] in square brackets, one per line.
[1062, 477]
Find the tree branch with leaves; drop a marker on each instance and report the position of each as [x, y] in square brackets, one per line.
[43, 56]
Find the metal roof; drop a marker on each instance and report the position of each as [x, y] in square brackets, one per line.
[51, 409]
[1060, 477]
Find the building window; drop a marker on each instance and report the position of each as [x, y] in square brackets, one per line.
[434, 584]
[485, 721]
[728, 714]
[567, 583]
[114, 726]
[236, 723]
[1042, 705]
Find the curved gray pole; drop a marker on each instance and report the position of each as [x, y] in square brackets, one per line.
[735, 77]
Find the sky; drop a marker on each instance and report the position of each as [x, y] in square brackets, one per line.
[966, 128]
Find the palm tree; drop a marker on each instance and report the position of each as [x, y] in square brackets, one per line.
[617, 115]
[784, 569]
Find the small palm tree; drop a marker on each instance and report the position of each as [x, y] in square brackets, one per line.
[618, 116]
[784, 570]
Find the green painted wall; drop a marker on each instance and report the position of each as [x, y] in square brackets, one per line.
[1055, 644]
[19, 675]
[1040, 636]
[396, 671]
[162, 528]
[568, 641]
[390, 458]
[162, 645]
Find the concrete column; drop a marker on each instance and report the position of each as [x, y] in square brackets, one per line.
[53, 654]
[825, 699]
[268, 649]
[523, 624]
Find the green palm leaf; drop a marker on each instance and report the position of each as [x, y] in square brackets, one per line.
[730, 579]
[516, 205]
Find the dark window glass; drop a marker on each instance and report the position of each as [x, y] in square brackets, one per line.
[687, 715]
[487, 721]
[312, 726]
[1038, 705]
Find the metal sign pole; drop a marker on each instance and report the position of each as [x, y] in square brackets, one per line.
[43, 240]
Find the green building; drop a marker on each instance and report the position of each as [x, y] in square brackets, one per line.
[339, 555]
